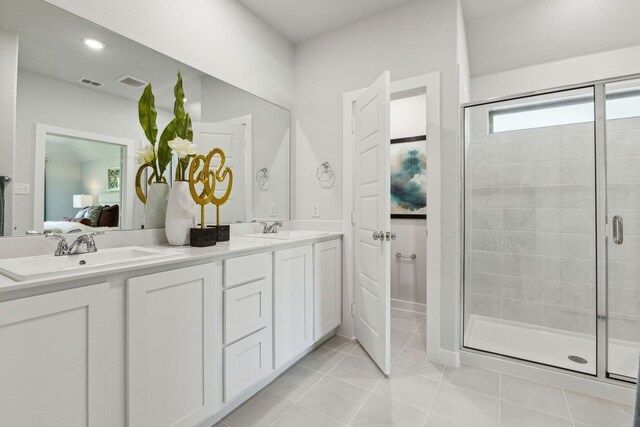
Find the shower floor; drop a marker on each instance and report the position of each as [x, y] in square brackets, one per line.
[549, 346]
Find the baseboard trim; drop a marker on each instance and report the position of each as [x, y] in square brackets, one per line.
[408, 305]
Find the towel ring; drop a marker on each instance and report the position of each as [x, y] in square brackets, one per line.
[324, 174]
[263, 178]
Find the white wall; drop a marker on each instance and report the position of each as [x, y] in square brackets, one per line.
[219, 37]
[535, 32]
[568, 71]
[411, 40]
[63, 179]
[408, 277]
[8, 79]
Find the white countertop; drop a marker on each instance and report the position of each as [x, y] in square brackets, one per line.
[238, 245]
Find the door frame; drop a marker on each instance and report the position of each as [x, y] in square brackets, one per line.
[431, 84]
[127, 169]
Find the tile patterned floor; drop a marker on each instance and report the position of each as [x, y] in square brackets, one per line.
[338, 385]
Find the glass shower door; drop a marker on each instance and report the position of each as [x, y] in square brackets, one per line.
[530, 229]
[623, 225]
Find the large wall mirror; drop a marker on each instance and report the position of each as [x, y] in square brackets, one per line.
[70, 165]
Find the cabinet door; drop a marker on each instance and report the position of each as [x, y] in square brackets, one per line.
[171, 340]
[327, 286]
[293, 302]
[55, 359]
[246, 362]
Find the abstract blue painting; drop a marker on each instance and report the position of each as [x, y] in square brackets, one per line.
[409, 177]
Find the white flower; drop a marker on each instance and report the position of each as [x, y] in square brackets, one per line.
[146, 155]
[182, 148]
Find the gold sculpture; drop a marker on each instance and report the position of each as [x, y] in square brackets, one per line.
[200, 173]
[141, 195]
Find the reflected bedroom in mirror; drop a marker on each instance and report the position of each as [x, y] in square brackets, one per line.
[70, 131]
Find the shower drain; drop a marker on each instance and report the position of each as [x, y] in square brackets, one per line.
[577, 359]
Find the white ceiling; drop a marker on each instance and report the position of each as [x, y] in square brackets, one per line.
[298, 20]
[509, 34]
[51, 44]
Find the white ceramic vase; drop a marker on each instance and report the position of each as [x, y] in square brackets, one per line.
[155, 210]
[181, 214]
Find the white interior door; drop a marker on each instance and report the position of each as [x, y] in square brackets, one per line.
[231, 139]
[372, 211]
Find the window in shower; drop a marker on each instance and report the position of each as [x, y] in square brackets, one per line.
[623, 102]
[530, 230]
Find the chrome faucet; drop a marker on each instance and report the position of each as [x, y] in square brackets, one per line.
[85, 240]
[63, 247]
[271, 228]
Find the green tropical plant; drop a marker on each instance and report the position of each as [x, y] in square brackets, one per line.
[179, 127]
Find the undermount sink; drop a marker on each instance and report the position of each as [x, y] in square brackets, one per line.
[34, 267]
[287, 235]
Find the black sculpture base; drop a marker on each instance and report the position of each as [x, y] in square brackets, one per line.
[203, 237]
[223, 232]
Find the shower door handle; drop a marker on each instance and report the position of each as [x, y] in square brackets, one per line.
[618, 230]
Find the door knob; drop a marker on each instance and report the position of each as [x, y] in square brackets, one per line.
[377, 235]
[390, 235]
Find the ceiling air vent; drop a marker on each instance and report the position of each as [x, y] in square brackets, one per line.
[89, 82]
[131, 81]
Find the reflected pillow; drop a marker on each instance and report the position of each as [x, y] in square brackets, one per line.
[85, 221]
[109, 216]
[92, 213]
[80, 213]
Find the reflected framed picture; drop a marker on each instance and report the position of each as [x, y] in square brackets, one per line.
[409, 177]
[113, 179]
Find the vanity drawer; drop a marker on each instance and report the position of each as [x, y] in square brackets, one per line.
[247, 308]
[246, 362]
[246, 269]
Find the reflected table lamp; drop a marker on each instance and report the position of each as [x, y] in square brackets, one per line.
[82, 200]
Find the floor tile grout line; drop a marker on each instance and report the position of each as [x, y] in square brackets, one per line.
[324, 375]
[364, 402]
[499, 399]
[566, 401]
[383, 377]
[537, 410]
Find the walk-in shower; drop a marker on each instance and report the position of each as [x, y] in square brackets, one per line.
[552, 228]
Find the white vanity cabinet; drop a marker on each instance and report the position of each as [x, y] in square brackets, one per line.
[248, 338]
[293, 302]
[172, 342]
[327, 286]
[54, 368]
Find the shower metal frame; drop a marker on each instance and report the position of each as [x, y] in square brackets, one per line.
[600, 192]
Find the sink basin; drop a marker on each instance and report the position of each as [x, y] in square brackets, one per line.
[287, 235]
[34, 267]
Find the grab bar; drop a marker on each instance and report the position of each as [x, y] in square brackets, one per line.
[399, 255]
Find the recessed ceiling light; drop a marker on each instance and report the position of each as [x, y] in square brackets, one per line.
[94, 44]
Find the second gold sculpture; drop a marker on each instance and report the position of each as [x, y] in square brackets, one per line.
[202, 184]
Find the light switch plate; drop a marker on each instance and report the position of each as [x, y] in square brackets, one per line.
[315, 210]
[274, 209]
[21, 188]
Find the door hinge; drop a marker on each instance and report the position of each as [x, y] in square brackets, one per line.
[353, 218]
[426, 232]
[353, 310]
[353, 126]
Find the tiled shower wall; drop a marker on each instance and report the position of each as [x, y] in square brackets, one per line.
[530, 224]
[623, 182]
